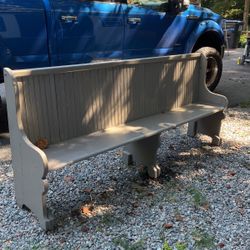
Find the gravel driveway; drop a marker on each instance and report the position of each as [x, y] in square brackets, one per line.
[201, 201]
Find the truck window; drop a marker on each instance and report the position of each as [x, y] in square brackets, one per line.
[158, 5]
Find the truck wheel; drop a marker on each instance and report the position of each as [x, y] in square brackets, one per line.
[3, 117]
[214, 66]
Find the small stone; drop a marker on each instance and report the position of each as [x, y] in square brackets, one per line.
[85, 229]
[75, 212]
[62, 240]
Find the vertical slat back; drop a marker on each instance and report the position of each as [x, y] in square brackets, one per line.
[62, 104]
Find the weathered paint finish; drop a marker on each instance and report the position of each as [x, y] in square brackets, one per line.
[107, 105]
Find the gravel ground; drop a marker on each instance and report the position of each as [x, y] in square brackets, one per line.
[201, 201]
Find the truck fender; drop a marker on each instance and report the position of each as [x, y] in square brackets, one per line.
[202, 28]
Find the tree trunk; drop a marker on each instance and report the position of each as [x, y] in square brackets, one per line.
[246, 13]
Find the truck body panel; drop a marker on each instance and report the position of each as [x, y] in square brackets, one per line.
[39, 33]
[23, 34]
[86, 31]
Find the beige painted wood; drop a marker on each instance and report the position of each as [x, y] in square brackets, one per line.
[83, 110]
[70, 151]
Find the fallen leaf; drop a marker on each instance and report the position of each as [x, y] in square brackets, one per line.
[150, 194]
[168, 225]
[69, 178]
[91, 208]
[135, 204]
[231, 173]
[42, 143]
[221, 245]
[104, 195]
[87, 190]
[85, 229]
[86, 210]
[211, 180]
[242, 211]
[130, 213]
[178, 217]
[206, 206]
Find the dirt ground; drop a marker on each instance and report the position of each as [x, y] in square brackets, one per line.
[235, 81]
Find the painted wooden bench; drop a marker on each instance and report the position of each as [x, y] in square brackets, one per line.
[83, 110]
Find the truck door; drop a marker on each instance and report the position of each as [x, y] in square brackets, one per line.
[23, 35]
[152, 30]
[87, 30]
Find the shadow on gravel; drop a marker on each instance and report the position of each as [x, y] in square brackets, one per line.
[105, 206]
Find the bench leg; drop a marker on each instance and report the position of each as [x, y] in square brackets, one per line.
[210, 126]
[127, 157]
[31, 190]
[143, 153]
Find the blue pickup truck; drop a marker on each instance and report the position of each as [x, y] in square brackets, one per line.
[41, 33]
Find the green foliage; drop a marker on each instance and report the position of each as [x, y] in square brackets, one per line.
[230, 9]
[198, 198]
[203, 240]
[181, 246]
[109, 219]
[243, 40]
[245, 104]
[127, 245]
[36, 247]
[166, 246]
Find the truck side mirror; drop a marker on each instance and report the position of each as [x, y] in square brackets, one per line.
[176, 6]
[185, 4]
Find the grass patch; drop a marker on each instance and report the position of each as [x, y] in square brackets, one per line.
[245, 104]
[127, 245]
[198, 198]
[166, 246]
[181, 246]
[109, 219]
[203, 240]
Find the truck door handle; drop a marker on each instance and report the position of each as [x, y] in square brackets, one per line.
[192, 17]
[69, 19]
[134, 20]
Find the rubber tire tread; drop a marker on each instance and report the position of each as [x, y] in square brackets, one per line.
[212, 52]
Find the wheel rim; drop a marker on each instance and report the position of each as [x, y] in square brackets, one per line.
[212, 71]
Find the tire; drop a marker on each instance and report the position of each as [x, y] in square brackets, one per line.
[3, 117]
[214, 66]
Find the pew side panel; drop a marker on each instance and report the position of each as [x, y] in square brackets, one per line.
[210, 125]
[30, 164]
